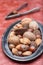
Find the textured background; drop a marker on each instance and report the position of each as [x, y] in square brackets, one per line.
[7, 6]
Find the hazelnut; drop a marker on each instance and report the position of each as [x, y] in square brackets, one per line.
[25, 41]
[11, 46]
[33, 25]
[38, 41]
[38, 36]
[32, 48]
[29, 35]
[27, 53]
[15, 51]
[13, 40]
[18, 47]
[37, 32]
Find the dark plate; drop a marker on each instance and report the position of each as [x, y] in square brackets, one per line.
[18, 58]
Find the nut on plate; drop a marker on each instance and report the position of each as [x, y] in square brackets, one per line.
[33, 25]
[19, 53]
[11, 46]
[33, 44]
[13, 40]
[22, 47]
[29, 35]
[15, 51]
[25, 41]
[38, 41]
[11, 34]
[37, 32]
[19, 36]
[27, 53]
[26, 21]
[25, 37]
[19, 25]
[31, 30]
[38, 36]
[15, 27]
[32, 48]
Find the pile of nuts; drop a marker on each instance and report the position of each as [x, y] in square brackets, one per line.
[25, 37]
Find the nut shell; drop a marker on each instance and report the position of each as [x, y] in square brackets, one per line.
[13, 40]
[33, 44]
[11, 34]
[19, 53]
[26, 21]
[18, 47]
[22, 47]
[29, 35]
[38, 41]
[19, 25]
[19, 36]
[24, 38]
[15, 51]
[37, 32]
[11, 46]
[27, 53]
[33, 25]
[32, 48]
[25, 41]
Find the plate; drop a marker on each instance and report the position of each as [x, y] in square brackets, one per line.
[7, 51]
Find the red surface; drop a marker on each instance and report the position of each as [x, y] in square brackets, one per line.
[7, 6]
